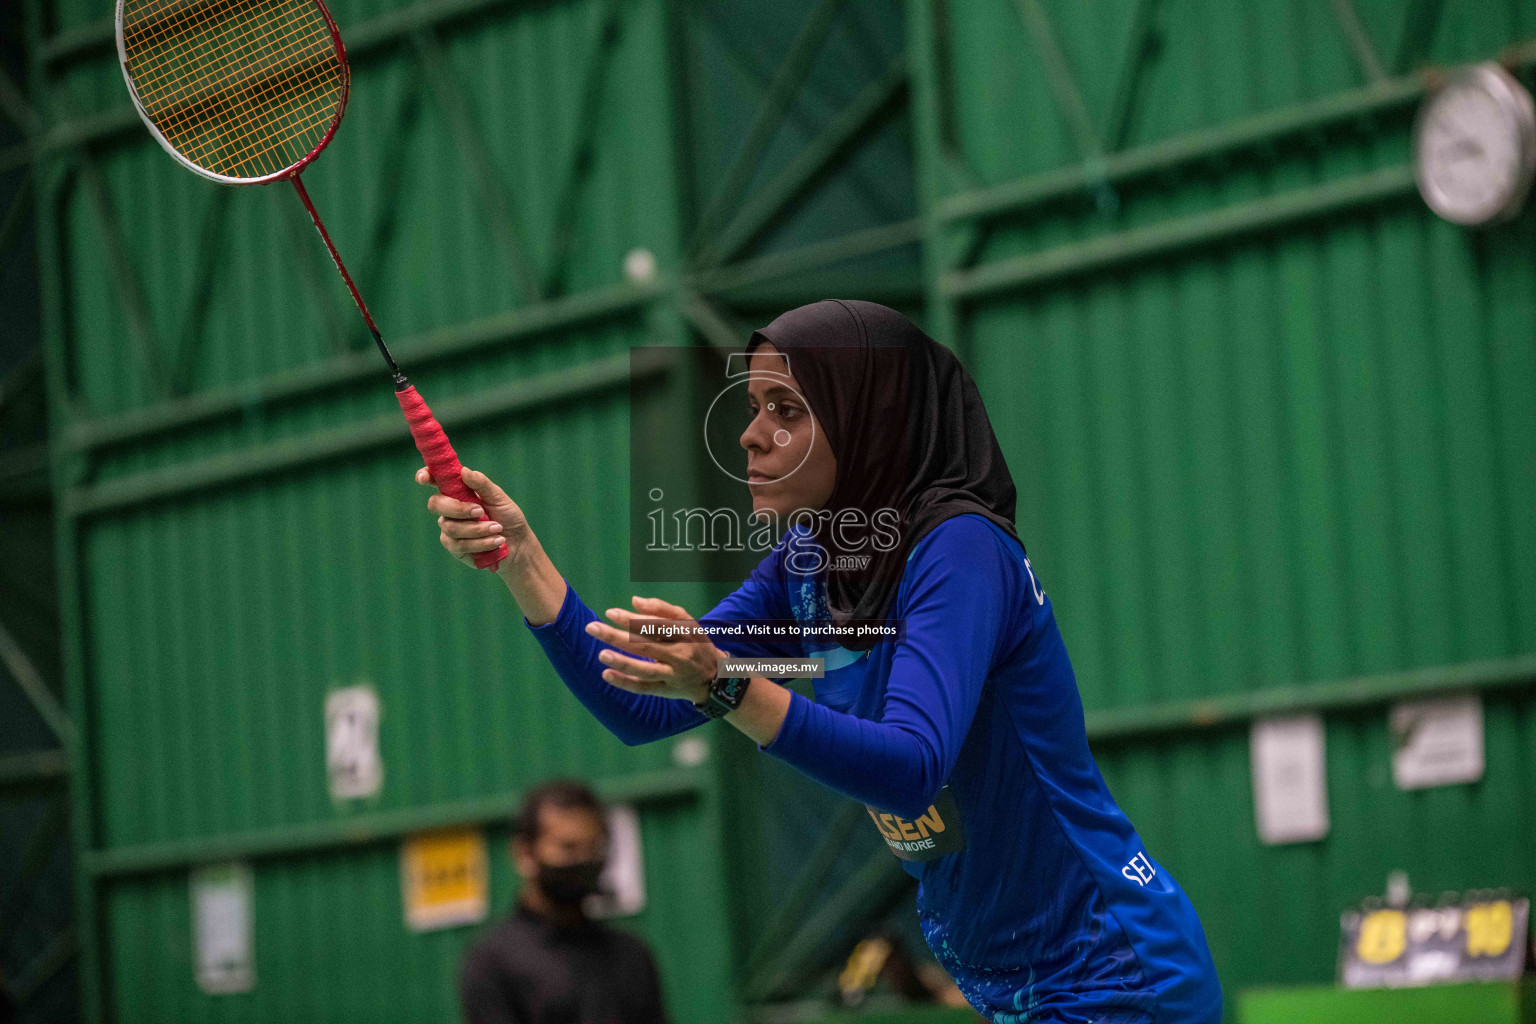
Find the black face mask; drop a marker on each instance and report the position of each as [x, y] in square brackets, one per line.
[569, 884]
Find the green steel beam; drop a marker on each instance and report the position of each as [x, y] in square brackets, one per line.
[1421, 18]
[21, 889]
[578, 166]
[1139, 40]
[386, 429]
[43, 967]
[105, 126]
[867, 894]
[314, 378]
[18, 155]
[15, 214]
[500, 215]
[124, 276]
[893, 288]
[755, 74]
[962, 245]
[21, 375]
[374, 258]
[876, 101]
[14, 105]
[712, 324]
[320, 285]
[30, 681]
[1157, 721]
[32, 768]
[51, 178]
[1359, 40]
[210, 235]
[51, 181]
[668, 146]
[76, 42]
[932, 140]
[1180, 234]
[363, 38]
[375, 35]
[1262, 130]
[24, 473]
[1063, 83]
[374, 827]
[1196, 147]
[807, 257]
[787, 82]
[930, 42]
[809, 882]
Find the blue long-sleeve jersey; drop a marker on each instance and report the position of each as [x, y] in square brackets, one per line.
[1052, 909]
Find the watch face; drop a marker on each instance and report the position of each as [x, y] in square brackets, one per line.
[732, 690]
[1475, 147]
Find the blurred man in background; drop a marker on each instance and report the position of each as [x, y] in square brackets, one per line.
[548, 962]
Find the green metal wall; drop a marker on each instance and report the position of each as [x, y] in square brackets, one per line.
[1271, 419]
[37, 939]
[237, 530]
[240, 532]
[331, 944]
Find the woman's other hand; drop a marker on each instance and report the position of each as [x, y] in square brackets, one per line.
[680, 669]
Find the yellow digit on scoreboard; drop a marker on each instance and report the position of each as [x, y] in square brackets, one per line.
[1490, 926]
[1383, 936]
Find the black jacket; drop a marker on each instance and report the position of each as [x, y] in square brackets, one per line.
[528, 971]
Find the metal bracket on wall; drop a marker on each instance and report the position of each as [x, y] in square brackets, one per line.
[500, 215]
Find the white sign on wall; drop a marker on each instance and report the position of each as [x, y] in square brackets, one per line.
[352, 762]
[1290, 781]
[623, 880]
[221, 928]
[1437, 742]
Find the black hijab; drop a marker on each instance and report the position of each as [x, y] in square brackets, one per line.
[878, 385]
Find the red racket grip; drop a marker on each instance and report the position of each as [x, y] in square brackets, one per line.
[443, 463]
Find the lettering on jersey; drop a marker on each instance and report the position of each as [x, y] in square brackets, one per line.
[1033, 584]
[936, 833]
[1139, 869]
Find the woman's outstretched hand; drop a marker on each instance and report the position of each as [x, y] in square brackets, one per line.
[681, 669]
[461, 532]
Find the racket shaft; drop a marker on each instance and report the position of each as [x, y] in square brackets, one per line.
[443, 463]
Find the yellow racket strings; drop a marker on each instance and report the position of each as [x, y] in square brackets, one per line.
[242, 88]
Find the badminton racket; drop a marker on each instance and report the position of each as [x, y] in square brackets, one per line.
[246, 92]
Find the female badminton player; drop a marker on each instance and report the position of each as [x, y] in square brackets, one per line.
[964, 737]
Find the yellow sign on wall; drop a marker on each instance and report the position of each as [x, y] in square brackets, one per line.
[443, 879]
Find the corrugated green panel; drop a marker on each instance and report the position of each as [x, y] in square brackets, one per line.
[219, 625]
[397, 190]
[1289, 460]
[331, 944]
[218, 619]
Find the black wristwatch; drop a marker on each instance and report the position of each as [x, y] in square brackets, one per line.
[725, 696]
